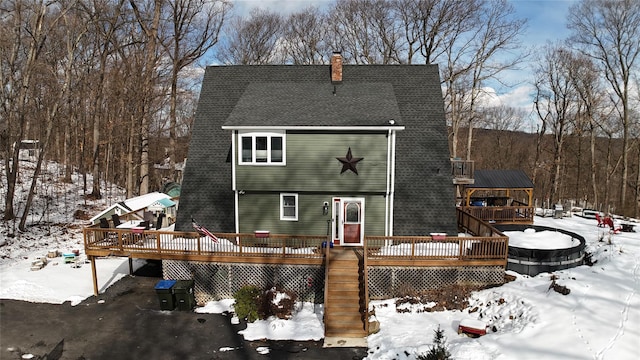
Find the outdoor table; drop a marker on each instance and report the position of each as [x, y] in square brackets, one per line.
[626, 227]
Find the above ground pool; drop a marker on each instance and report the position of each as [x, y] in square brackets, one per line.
[566, 251]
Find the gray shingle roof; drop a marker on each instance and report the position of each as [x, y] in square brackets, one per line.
[424, 193]
[501, 179]
[315, 103]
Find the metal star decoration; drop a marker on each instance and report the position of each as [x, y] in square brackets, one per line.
[349, 162]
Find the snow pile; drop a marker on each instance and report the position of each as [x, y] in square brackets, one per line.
[502, 312]
[543, 240]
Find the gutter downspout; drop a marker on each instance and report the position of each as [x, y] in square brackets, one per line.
[234, 135]
[386, 194]
[393, 181]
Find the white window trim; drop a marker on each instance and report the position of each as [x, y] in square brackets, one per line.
[288, 218]
[268, 135]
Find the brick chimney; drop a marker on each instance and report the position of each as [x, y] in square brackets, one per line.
[336, 67]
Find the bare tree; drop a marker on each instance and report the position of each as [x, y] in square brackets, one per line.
[150, 24]
[591, 108]
[306, 37]
[474, 57]
[555, 102]
[502, 120]
[253, 40]
[26, 27]
[608, 31]
[194, 29]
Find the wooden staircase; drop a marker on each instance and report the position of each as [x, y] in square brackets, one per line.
[344, 312]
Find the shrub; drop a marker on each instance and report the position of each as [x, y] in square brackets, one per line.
[247, 302]
[439, 349]
[277, 302]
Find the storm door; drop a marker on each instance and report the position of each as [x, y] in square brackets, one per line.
[349, 221]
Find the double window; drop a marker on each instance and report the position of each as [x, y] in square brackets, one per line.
[289, 207]
[262, 148]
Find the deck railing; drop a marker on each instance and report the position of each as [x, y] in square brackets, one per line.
[462, 171]
[431, 248]
[159, 243]
[484, 243]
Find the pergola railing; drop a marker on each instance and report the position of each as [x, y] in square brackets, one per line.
[502, 214]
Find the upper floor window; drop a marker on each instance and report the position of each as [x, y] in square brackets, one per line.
[262, 148]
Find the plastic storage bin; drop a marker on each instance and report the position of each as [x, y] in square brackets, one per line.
[164, 290]
[183, 292]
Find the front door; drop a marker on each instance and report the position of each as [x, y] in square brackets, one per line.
[349, 221]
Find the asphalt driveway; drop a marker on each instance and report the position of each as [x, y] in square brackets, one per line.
[128, 324]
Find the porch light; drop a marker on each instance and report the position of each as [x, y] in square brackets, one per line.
[325, 208]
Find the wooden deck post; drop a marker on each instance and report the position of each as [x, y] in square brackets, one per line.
[94, 274]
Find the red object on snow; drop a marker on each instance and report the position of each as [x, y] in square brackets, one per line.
[470, 326]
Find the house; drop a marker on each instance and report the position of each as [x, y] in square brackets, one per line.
[331, 181]
[340, 150]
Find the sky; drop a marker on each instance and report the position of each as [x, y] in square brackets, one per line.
[525, 319]
[546, 23]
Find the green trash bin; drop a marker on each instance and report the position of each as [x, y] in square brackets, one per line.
[164, 290]
[183, 292]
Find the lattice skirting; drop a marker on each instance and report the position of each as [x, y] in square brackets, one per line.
[388, 282]
[215, 281]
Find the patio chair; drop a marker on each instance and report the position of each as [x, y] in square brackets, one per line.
[108, 236]
[148, 216]
[160, 218]
[116, 220]
[104, 223]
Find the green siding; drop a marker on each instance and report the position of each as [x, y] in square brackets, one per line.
[261, 211]
[311, 165]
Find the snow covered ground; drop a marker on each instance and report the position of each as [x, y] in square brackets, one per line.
[598, 319]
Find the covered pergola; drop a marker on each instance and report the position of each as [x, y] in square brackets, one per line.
[501, 196]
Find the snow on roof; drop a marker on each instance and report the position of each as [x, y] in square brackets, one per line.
[133, 204]
[142, 201]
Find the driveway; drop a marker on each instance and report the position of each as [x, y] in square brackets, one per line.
[130, 325]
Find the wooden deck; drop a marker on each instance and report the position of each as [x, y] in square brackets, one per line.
[346, 290]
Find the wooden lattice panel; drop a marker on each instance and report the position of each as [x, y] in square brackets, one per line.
[387, 282]
[215, 281]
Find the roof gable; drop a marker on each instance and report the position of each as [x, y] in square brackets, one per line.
[424, 199]
[315, 104]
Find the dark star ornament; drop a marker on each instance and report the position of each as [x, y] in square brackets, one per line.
[349, 162]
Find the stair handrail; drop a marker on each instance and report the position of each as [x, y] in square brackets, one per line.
[365, 280]
[327, 255]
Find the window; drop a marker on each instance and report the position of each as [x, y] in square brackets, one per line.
[289, 207]
[262, 148]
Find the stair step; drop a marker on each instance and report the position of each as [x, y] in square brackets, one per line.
[344, 325]
[343, 315]
[345, 333]
[342, 318]
[342, 306]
